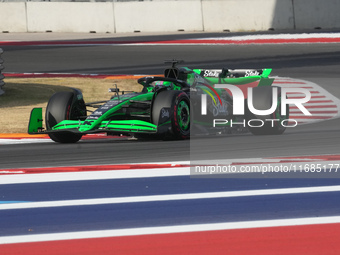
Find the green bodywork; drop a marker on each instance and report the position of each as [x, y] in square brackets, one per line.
[35, 124]
[133, 126]
[116, 120]
[103, 123]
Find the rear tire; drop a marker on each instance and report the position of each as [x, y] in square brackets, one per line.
[262, 100]
[62, 106]
[179, 104]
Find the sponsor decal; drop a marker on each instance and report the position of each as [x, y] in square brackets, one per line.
[218, 105]
[251, 73]
[212, 73]
[165, 113]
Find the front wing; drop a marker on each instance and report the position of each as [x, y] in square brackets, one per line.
[114, 126]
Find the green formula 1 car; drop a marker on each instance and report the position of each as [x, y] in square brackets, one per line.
[166, 107]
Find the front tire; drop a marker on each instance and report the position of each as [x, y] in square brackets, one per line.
[63, 106]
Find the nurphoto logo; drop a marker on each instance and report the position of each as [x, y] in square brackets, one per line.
[239, 105]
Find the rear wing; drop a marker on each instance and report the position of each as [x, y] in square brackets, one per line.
[233, 73]
[236, 76]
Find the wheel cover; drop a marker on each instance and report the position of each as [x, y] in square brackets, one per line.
[183, 112]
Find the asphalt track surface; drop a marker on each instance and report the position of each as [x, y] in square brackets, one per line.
[313, 62]
[283, 207]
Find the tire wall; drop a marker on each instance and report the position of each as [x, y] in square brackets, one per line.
[169, 16]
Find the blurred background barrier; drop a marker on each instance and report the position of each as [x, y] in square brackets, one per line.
[158, 16]
[121, 16]
[13, 17]
[2, 83]
[317, 14]
[247, 15]
[70, 17]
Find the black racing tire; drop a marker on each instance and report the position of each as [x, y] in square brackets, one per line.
[262, 100]
[179, 104]
[61, 107]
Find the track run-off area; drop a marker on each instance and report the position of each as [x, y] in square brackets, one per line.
[120, 196]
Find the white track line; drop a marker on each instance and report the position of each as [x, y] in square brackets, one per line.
[23, 141]
[94, 175]
[171, 197]
[168, 229]
[18, 176]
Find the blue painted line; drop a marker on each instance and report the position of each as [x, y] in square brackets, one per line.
[146, 186]
[146, 214]
[165, 213]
